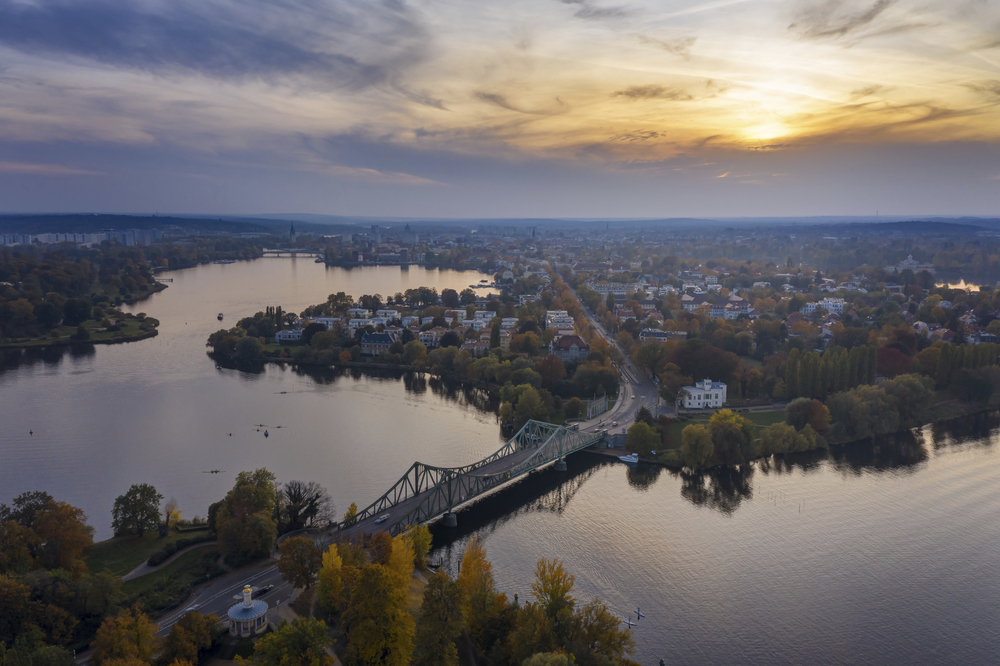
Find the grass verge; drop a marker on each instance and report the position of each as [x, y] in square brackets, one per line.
[121, 555]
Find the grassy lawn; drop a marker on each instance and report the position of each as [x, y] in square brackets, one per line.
[760, 419]
[122, 554]
[130, 327]
[752, 362]
[169, 586]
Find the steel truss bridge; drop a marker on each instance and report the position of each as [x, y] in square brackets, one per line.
[426, 492]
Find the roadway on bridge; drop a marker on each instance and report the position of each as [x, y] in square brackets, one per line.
[401, 510]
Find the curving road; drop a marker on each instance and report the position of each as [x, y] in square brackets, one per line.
[635, 389]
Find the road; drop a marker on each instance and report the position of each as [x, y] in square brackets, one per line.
[217, 597]
[635, 389]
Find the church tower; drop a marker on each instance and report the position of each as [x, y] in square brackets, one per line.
[291, 233]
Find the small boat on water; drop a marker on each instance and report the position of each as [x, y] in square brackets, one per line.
[220, 316]
[319, 261]
[630, 458]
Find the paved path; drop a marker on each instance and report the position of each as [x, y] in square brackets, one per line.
[144, 568]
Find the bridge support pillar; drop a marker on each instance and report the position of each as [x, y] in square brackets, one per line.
[450, 520]
[561, 465]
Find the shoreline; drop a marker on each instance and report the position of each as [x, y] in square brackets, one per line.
[615, 451]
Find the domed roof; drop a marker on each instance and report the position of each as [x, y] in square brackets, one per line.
[241, 612]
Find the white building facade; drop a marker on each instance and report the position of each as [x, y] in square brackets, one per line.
[705, 394]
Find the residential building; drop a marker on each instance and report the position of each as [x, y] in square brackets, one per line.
[505, 337]
[374, 344]
[653, 335]
[569, 348]
[705, 394]
[361, 313]
[288, 335]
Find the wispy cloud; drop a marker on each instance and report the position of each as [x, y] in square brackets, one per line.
[375, 176]
[678, 46]
[826, 19]
[588, 10]
[635, 93]
[45, 169]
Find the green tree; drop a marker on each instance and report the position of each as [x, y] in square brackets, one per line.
[300, 561]
[609, 303]
[597, 634]
[732, 438]
[777, 438]
[549, 659]
[245, 521]
[552, 588]
[249, 350]
[792, 374]
[797, 412]
[379, 625]
[642, 439]
[529, 406]
[189, 637]
[495, 336]
[137, 511]
[439, 623]
[697, 448]
[301, 643]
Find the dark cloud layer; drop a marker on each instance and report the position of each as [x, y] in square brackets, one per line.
[323, 41]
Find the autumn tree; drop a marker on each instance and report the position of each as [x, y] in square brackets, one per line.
[401, 557]
[732, 438]
[300, 561]
[192, 634]
[380, 547]
[439, 623]
[129, 636]
[351, 512]
[596, 633]
[696, 448]
[420, 537]
[331, 583]
[303, 642]
[65, 534]
[378, 622]
[171, 515]
[552, 589]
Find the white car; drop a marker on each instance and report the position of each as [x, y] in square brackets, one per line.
[382, 519]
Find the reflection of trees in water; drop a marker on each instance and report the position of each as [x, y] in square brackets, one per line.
[546, 491]
[900, 451]
[642, 477]
[11, 359]
[720, 488]
[975, 428]
[786, 463]
[414, 382]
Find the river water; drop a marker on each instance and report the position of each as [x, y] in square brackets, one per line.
[877, 553]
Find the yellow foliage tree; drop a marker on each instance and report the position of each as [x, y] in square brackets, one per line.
[401, 557]
[331, 583]
[420, 536]
[129, 636]
[351, 511]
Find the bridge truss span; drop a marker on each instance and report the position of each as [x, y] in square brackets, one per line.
[425, 492]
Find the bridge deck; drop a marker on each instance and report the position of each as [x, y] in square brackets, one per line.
[399, 511]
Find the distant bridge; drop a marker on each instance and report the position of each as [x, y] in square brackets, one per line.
[293, 251]
[426, 492]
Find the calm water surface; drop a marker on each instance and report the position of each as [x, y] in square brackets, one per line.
[880, 553]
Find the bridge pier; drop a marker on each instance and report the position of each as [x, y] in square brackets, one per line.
[450, 520]
[561, 465]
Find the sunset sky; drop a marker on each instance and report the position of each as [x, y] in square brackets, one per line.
[450, 108]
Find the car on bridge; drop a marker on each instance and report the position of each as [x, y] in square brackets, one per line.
[382, 519]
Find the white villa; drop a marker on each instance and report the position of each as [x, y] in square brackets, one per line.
[705, 394]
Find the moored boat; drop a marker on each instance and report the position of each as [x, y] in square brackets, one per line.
[630, 458]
